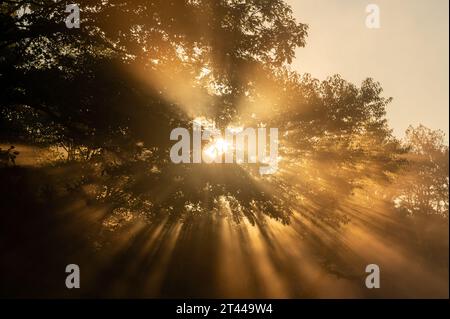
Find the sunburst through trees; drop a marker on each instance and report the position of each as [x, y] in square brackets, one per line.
[105, 97]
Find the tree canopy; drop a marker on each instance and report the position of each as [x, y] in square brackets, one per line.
[112, 90]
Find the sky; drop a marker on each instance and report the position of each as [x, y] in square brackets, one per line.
[408, 54]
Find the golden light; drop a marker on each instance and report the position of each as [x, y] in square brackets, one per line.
[216, 148]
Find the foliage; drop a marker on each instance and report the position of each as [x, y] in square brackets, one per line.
[110, 93]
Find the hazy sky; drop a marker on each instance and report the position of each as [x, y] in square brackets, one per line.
[408, 54]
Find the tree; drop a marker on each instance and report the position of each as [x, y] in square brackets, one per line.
[136, 69]
[424, 186]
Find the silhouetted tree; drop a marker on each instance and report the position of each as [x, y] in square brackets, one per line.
[113, 89]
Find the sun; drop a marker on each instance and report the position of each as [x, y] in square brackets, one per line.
[216, 148]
